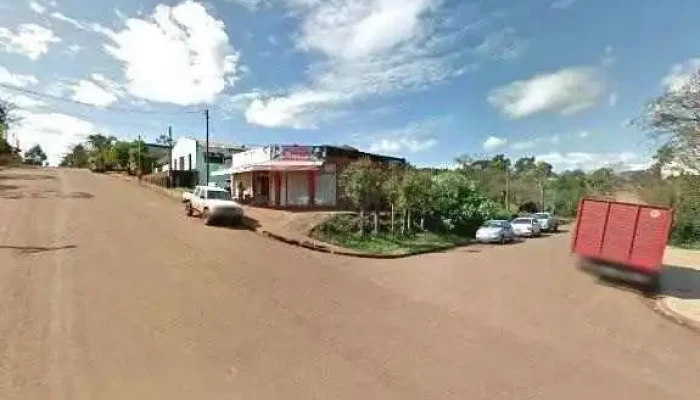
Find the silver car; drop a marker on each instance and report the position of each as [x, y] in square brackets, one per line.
[495, 231]
[547, 221]
[526, 226]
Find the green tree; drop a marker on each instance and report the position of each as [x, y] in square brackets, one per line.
[361, 184]
[122, 154]
[391, 188]
[77, 158]
[456, 201]
[416, 192]
[35, 156]
[164, 140]
[674, 118]
[100, 146]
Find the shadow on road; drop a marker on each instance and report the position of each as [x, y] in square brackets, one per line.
[8, 187]
[36, 249]
[45, 194]
[248, 224]
[680, 282]
[27, 177]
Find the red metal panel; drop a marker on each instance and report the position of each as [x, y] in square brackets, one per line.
[590, 227]
[633, 235]
[650, 238]
[619, 232]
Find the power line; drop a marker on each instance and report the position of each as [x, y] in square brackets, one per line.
[105, 108]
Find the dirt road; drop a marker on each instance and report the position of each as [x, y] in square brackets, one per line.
[107, 291]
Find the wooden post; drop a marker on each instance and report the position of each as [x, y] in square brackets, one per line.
[312, 188]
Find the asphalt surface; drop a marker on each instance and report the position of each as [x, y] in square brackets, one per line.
[107, 291]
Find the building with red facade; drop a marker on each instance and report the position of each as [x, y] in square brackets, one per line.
[292, 176]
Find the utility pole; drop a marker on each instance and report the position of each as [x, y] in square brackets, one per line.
[206, 116]
[170, 156]
[139, 160]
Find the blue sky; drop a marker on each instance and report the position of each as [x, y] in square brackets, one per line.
[428, 80]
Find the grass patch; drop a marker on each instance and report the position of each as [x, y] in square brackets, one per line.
[341, 230]
[387, 244]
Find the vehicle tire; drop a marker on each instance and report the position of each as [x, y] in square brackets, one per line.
[502, 240]
[556, 228]
[205, 217]
[188, 210]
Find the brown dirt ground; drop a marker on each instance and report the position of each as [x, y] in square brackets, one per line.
[107, 291]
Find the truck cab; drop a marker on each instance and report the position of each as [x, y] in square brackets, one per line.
[212, 204]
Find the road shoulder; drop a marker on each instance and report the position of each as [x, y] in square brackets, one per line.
[679, 298]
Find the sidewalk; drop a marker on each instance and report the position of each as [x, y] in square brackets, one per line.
[680, 286]
[292, 227]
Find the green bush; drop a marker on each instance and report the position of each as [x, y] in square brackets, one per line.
[458, 204]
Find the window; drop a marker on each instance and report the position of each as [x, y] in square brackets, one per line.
[182, 164]
[218, 195]
[189, 162]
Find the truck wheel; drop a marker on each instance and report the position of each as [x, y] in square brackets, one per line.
[205, 217]
[188, 210]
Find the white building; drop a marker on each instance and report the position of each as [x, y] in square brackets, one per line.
[190, 154]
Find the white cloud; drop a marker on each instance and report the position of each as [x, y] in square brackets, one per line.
[563, 4]
[503, 45]
[299, 110]
[249, 4]
[566, 91]
[399, 144]
[583, 134]
[29, 40]
[64, 18]
[680, 74]
[608, 56]
[73, 49]
[97, 90]
[55, 132]
[179, 54]
[366, 48]
[612, 100]
[554, 139]
[36, 7]
[493, 142]
[413, 138]
[20, 80]
[524, 145]
[592, 161]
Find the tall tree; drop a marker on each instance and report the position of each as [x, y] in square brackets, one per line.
[77, 158]
[164, 140]
[391, 188]
[361, 183]
[35, 155]
[674, 117]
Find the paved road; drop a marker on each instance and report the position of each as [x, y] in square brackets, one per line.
[108, 292]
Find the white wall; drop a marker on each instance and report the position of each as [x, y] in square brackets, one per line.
[250, 157]
[182, 148]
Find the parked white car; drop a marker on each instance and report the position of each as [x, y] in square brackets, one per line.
[548, 222]
[495, 231]
[212, 204]
[526, 226]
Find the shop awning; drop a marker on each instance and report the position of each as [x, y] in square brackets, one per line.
[272, 166]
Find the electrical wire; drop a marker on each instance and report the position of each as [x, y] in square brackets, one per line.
[104, 108]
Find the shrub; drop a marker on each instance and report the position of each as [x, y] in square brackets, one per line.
[459, 205]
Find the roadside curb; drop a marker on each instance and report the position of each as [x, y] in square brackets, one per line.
[660, 307]
[307, 244]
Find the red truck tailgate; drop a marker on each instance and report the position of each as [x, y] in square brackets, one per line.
[633, 235]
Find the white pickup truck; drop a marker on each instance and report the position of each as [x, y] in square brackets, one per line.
[212, 204]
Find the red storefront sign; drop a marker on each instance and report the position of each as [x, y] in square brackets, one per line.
[297, 153]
